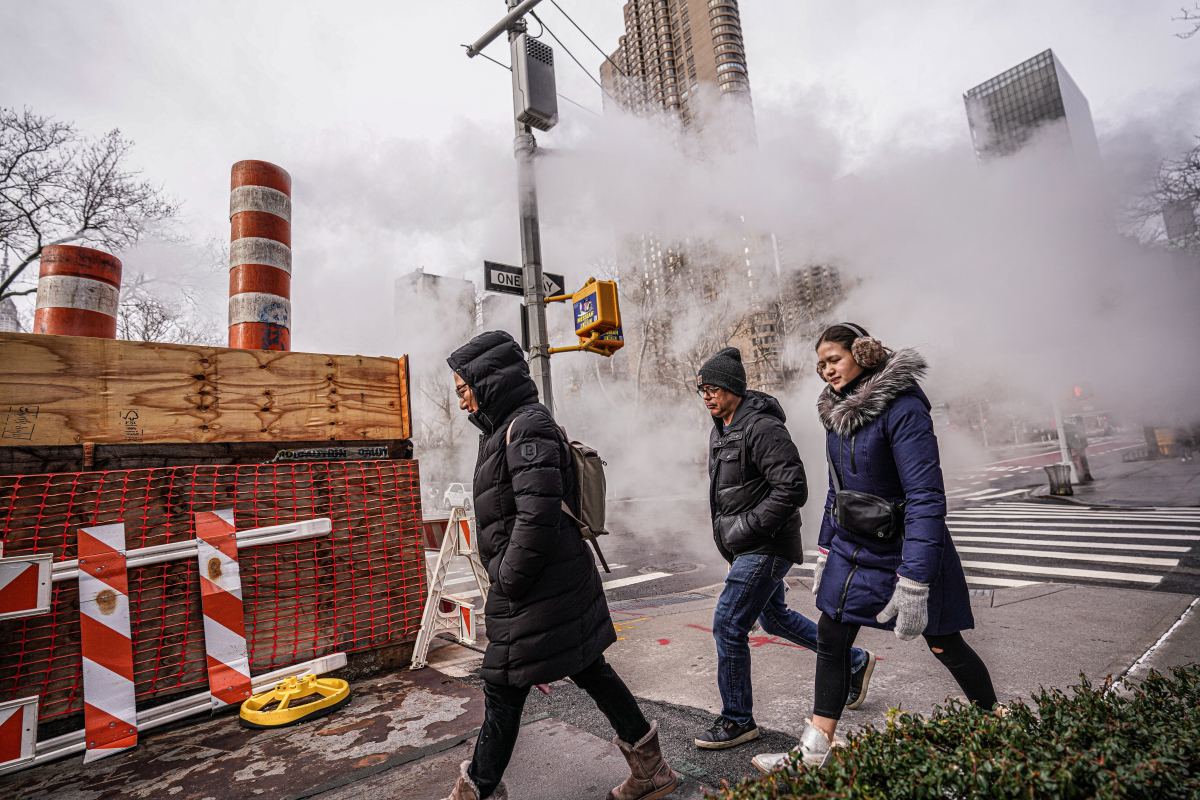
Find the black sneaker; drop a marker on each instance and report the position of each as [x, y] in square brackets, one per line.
[859, 681]
[725, 734]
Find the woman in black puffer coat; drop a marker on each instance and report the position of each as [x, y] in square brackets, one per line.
[546, 614]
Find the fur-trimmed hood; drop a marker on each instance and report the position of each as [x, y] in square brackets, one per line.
[899, 374]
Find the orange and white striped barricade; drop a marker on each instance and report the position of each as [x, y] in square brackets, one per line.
[260, 257]
[106, 643]
[78, 292]
[102, 571]
[221, 600]
[25, 585]
[446, 613]
[18, 730]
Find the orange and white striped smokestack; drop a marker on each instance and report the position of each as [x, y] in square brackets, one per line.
[78, 292]
[260, 257]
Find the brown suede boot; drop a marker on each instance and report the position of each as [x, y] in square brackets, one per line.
[465, 788]
[650, 777]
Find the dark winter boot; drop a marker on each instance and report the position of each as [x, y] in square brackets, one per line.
[465, 788]
[649, 776]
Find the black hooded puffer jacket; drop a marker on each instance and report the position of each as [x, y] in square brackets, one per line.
[756, 482]
[546, 614]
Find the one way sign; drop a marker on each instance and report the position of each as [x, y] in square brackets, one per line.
[507, 279]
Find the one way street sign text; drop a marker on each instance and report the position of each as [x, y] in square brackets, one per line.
[507, 279]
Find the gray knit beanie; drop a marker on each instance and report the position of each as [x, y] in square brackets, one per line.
[725, 370]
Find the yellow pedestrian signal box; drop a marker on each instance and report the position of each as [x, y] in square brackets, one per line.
[596, 309]
[597, 318]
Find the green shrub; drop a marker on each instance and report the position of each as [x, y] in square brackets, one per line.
[1092, 742]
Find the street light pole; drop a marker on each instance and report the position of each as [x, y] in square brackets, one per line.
[524, 147]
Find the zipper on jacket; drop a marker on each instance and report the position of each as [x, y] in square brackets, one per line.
[846, 585]
[853, 460]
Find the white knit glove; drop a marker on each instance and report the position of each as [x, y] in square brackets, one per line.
[910, 606]
[819, 568]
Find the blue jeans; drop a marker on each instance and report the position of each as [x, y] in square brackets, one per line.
[754, 589]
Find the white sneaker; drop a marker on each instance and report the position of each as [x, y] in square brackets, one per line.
[766, 763]
[814, 749]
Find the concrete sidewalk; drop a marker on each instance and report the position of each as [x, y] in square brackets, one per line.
[404, 734]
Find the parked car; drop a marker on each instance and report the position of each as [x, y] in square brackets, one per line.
[457, 494]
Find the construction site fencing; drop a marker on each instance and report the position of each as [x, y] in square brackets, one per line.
[360, 588]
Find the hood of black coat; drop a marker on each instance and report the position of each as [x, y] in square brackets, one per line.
[753, 404]
[845, 414]
[493, 365]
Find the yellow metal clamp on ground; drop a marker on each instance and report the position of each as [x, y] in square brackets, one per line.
[295, 700]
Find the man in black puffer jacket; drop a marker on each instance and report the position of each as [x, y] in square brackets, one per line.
[756, 489]
[546, 614]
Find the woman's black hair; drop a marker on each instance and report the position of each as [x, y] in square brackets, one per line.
[841, 334]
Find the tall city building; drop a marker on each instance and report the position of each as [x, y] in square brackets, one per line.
[688, 58]
[10, 320]
[1035, 96]
[425, 302]
[673, 52]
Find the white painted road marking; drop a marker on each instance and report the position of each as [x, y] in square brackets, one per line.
[1053, 531]
[1103, 558]
[1146, 548]
[1064, 572]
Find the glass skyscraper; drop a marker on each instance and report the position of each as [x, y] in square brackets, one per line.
[1004, 112]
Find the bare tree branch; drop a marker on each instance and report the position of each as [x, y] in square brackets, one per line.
[144, 316]
[1189, 16]
[57, 187]
[1176, 191]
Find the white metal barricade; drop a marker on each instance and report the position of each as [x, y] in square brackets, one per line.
[446, 613]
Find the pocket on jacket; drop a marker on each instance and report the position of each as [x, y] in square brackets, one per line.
[729, 468]
[735, 533]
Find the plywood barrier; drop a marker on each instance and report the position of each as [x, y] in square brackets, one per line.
[71, 390]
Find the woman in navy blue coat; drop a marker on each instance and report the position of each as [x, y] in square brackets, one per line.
[880, 441]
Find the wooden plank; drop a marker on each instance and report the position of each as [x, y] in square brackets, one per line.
[405, 398]
[64, 390]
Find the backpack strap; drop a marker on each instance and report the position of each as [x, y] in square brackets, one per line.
[833, 473]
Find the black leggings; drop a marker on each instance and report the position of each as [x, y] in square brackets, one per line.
[834, 640]
[502, 706]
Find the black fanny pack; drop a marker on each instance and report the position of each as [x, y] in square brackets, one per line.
[868, 518]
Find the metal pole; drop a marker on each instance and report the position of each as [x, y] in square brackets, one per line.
[516, 11]
[524, 147]
[1062, 438]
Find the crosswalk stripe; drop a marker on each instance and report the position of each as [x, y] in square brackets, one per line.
[614, 584]
[1152, 548]
[996, 508]
[1181, 509]
[1103, 558]
[1088, 511]
[1012, 512]
[1064, 572]
[1095, 509]
[991, 494]
[983, 527]
[632, 579]
[983, 519]
[979, 580]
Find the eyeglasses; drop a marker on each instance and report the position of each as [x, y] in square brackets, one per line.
[707, 391]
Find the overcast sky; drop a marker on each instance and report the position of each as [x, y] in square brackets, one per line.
[377, 98]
